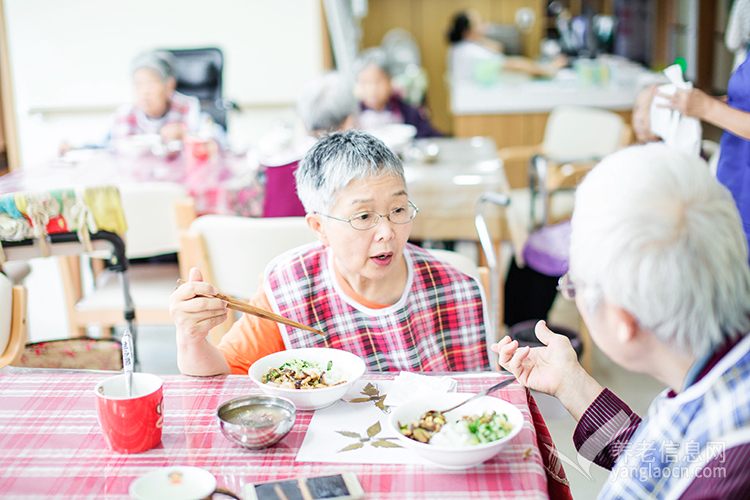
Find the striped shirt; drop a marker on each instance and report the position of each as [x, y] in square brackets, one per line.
[702, 436]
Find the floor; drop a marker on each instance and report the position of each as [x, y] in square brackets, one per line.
[157, 351]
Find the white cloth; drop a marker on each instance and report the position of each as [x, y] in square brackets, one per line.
[408, 384]
[678, 131]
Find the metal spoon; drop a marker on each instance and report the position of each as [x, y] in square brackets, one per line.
[483, 393]
[127, 361]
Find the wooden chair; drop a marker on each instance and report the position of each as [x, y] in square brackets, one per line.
[13, 330]
[232, 252]
[481, 274]
[575, 139]
[465, 265]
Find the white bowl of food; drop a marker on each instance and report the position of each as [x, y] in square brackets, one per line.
[463, 441]
[311, 378]
[395, 135]
[138, 145]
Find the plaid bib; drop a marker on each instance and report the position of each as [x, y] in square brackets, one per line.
[438, 324]
[133, 121]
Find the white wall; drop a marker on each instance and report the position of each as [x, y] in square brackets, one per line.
[76, 54]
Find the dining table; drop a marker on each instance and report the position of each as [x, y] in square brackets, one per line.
[445, 183]
[445, 178]
[51, 445]
[223, 184]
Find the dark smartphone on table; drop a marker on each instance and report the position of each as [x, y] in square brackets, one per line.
[344, 486]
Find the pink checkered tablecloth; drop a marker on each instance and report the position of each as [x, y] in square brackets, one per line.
[225, 185]
[51, 445]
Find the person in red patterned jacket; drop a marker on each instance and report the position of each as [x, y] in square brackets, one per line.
[389, 302]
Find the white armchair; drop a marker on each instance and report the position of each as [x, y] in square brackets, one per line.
[232, 252]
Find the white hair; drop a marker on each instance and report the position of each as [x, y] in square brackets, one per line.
[375, 56]
[325, 103]
[338, 159]
[160, 62]
[654, 233]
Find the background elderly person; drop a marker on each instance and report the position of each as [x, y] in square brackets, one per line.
[379, 104]
[658, 270]
[375, 295]
[158, 108]
[325, 104]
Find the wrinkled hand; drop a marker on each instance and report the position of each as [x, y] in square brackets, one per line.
[195, 316]
[694, 103]
[541, 368]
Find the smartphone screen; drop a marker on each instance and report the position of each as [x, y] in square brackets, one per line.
[327, 487]
[282, 490]
[318, 488]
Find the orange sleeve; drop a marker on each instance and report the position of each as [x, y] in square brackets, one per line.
[251, 338]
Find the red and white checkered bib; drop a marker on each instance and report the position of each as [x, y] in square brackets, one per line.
[438, 324]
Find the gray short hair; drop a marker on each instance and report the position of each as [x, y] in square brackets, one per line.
[159, 61]
[654, 233]
[337, 160]
[376, 56]
[325, 103]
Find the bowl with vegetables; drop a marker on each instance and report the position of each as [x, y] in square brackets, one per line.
[312, 378]
[458, 439]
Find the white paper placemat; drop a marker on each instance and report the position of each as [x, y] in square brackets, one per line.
[355, 431]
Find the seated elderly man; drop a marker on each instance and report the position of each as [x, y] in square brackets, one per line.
[158, 108]
[325, 104]
[658, 271]
[375, 295]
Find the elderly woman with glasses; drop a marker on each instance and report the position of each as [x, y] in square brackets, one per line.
[375, 295]
[658, 271]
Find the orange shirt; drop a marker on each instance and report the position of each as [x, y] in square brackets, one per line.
[251, 337]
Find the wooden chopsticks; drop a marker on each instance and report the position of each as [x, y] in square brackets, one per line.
[244, 307]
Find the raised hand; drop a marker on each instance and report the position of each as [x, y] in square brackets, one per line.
[541, 368]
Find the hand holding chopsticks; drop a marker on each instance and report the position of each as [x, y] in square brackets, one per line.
[244, 307]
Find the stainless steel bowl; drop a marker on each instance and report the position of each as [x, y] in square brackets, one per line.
[256, 422]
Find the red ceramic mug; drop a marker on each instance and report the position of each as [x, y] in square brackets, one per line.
[197, 154]
[130, 425]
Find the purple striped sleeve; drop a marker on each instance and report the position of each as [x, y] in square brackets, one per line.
[726, 476]
[605, 429]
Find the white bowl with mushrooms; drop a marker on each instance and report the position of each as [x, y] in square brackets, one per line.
[311, 378]
[451, 445]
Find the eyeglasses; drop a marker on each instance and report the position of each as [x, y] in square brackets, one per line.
[362, 221]
[566, 287]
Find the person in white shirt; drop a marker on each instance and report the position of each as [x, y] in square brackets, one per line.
[473, 56]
